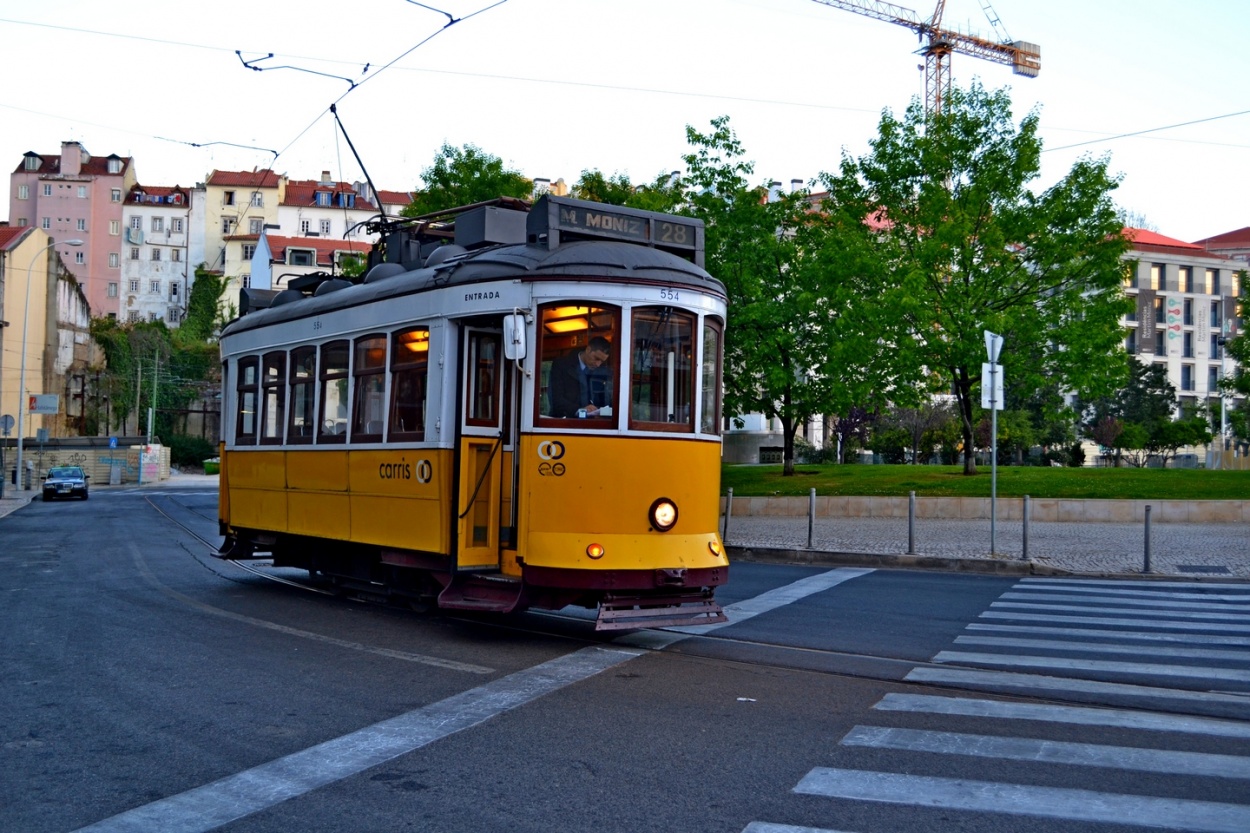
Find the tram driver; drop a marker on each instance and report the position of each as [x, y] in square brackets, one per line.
[579, 385]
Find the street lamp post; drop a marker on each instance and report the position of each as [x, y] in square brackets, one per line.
[21, 368]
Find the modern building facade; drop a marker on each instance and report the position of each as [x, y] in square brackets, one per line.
[76, 195]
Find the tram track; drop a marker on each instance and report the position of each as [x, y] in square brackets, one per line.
[861, 666]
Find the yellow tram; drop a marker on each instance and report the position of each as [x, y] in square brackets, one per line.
[513, 408]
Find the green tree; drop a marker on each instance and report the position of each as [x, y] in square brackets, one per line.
[205, 316]
[463, 176]
[1238, 382]
[791, 347]
[965, 244]
[664, 193]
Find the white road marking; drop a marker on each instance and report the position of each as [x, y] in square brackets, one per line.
[1130, 623]
[1103, 647]
[1176, 614]
[1186, 638]
[1155, 602]
[1104, 666]
[236, 796]
[1074, 587]
[1051, 752]
[1079, 715]
[1111, 582]
[766, 827]
[1018, 799]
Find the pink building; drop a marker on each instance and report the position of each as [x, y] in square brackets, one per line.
[75, 195]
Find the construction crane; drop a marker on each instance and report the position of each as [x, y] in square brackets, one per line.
[938, 44]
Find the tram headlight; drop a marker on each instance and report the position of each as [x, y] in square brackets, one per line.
[663, 514]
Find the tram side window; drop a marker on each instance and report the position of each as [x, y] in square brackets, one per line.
[410, 352]
[273, 396]
[332, 427]
[709, 416]
[578, 364]
[661, 372]
[303, 390]
[369, 408]
[245, 428]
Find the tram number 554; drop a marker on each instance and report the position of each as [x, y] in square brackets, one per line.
[669, 295]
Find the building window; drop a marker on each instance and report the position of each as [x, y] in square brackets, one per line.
[1213, 379]
[1160, 345]
[82, 192]
[325, 228]
[133, 316]
[1156, 276]
[21, 222]
[154, 287]
[1185, 278]
[134, 286]
[249, 249]
[175, 255]
[1160, 311]
[1213, 281]
[47, 223]
[227, 198]
[156, 255]
[227, 225]
[158, 224]
[172, 315]
[1216, 323]
[175, 225]
[305, 226]
[258, 200]
[173, 291]
[323, 198]
[112, 292]
[80, 258]
[1130, 343]
[81, 225]
[115, 227]
[136, 222]
[245, 280]
[32, 163]
[1187, 377]
[134, 252]
[115, 195]
[152, 317]
[1235, 286]
[23, 192]
[301, 257]
[1189, 311]
[255, 226]
[1214, 351]
[114, 262]
[47, 190]
[115, 166]
[1188, 348]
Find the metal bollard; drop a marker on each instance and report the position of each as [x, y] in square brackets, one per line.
[911, 523]
[729, 510]
[811, 516]
[1146, 566]
[1025, 554]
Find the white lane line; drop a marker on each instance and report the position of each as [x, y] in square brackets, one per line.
[1045, 589]
[234, 797]
[1037, 682]
[768, 827]
[1107, 620]
[1019, 799]
[1078, 715]
[1155, 603]
[1103, 666]
[1185, 638]
[1104, 647]
[1176, 614]
[747, 609]
[1110, 582]
[1137, 759]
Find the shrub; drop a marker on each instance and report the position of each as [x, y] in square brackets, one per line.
[190, 452]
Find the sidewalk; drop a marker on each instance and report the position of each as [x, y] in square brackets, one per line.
[15, 498]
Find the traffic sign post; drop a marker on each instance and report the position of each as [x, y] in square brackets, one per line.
[993, 346]
[6, 425]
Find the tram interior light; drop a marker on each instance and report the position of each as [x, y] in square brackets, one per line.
[417, 341]
[567, 325]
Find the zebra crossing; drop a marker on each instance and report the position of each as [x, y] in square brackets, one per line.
[1163, 667]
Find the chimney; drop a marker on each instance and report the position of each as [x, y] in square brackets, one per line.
[71, 158]
[796, 185]
[325, 177]
[774, 191]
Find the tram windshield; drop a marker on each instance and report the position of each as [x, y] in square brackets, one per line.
[578, 361]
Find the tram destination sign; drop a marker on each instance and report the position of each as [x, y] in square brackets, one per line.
[557, 219]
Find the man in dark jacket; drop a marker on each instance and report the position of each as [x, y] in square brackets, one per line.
[576, 384]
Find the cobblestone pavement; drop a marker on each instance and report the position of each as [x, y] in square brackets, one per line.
[1183, 550]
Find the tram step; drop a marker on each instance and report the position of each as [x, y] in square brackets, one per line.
[632, 614]
[484, 593]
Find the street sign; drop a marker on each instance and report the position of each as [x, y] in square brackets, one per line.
[991, 386]
[112, 442]
[6, 424]
[44, 403]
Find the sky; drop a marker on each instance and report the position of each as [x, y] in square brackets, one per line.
[557, 87]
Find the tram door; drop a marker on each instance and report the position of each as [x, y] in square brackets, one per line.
[480, 449]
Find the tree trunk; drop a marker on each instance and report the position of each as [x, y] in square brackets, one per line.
[963, 395]
[787, 455]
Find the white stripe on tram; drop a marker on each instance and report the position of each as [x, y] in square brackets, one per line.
[1184, 638]
[1104, 666]
[1077, 715]
[1022, 800]
[1107, 620]
[1103, 647]
[251, 791]
[1051, 752]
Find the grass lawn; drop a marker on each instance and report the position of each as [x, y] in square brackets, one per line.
[1013, 481]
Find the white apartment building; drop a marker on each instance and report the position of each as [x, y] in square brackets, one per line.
[155, 258]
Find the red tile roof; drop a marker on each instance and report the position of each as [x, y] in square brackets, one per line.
[395, 197]
[11, 236]
[1240, 237]
[50, 163]
[325, 247]
[159, 194]
[304, 192]
[1153, 238]
[244, 179]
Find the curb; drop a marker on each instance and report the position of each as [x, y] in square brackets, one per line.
[980, 566]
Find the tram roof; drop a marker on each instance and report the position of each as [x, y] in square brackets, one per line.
[603, 260]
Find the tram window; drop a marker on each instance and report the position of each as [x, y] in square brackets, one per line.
[709, 416]
[661, 372]
[332, 427]
[410, 352]
[303, 387]
[369, 407]
[245, 428]
[273, 390]
[578, 364]
[482, 392]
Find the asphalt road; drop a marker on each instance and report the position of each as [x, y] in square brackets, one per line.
[148, 686]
